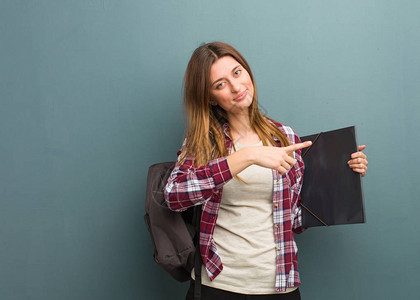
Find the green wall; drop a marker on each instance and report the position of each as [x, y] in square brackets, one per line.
[90, 96]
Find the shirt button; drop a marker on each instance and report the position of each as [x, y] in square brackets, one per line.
[278, 180]
[276, 205]
[276, 225]
[278, 248]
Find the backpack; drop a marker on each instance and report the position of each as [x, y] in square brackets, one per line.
[173, 233]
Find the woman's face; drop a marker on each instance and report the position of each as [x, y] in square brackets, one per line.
[231, 86]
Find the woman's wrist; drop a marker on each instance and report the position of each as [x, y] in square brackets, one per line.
[250, 155]
[241, 159]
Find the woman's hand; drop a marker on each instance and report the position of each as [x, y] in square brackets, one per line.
[358, 161]
[278, 158]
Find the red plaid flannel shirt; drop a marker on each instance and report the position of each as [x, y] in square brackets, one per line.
[189, 186]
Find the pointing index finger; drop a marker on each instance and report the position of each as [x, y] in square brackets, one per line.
[294, 147]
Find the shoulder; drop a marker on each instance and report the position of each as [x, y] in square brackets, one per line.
[287, 130]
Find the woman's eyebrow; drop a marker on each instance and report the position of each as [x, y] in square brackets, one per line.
[221, 78]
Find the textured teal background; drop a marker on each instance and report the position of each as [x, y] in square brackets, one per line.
[90, 96]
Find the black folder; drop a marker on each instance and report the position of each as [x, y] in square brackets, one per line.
[332, 193]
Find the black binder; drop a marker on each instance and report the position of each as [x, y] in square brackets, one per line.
[332, 193]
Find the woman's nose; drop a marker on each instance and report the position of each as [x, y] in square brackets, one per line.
[235, 86]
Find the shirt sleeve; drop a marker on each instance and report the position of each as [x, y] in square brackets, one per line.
[296, 207]
[297, 222]
[296, 189]
[188, 185]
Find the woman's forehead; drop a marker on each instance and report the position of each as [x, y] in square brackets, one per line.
[223, 67]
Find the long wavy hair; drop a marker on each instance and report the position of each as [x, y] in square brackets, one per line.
[204, 135]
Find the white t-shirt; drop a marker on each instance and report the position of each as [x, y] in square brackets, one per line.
[244, 234]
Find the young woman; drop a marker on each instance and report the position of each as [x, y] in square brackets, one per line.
[246, 170]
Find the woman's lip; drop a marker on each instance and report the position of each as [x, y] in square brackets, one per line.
[240, 96]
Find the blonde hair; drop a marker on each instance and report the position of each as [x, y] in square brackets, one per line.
[204, 135]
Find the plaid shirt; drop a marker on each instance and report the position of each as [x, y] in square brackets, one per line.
[188, 186]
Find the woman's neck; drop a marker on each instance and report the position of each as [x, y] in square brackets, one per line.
[241, 131]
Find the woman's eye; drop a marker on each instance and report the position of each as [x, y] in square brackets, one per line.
[220, 85]
[237, 72]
